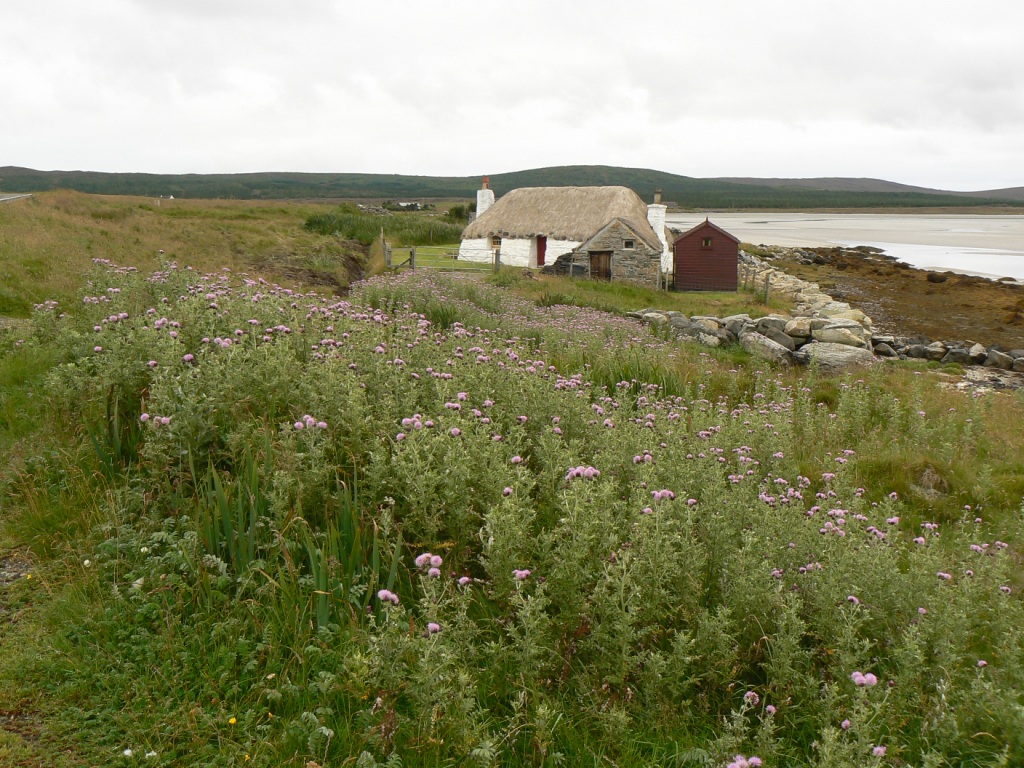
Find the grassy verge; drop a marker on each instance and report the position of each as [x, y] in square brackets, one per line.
[445, 521]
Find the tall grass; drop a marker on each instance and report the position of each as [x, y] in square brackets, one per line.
[400, 229]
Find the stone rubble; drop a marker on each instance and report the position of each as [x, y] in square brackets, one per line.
[823, 332]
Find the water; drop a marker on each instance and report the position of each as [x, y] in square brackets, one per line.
[989, 245]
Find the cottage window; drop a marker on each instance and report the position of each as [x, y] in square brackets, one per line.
[496, 243]
[629, 245]
[706, 242]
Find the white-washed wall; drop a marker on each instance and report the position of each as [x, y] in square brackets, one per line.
[656, 217]
[556, 248]
[476, 250]
[484, 200]
[518, 252]
[515, 252]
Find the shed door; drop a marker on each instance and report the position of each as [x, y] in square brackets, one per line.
[542, 249]
[601, 265]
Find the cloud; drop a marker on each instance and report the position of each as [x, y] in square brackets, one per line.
[912, 91]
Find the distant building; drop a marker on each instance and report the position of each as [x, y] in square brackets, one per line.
[706, 258]
[607, 233]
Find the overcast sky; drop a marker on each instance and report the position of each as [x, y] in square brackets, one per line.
[921, 92]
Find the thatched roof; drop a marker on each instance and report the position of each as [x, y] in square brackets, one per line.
[561, 213]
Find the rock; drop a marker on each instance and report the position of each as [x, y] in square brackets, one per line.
[884, 350]
[763, 347]
[771, 321]
[835, 357]
[935, 277]
[843, 336]
[935, 351]
[779, 337]
[708, 323]
[997, 359]
[978, 354]
[890, 340]
[1018, 364]
[916, 351]
[736, 324]
[1015, 353]
[799, 328]
[655, 318]
[680, 321]
[957, 355]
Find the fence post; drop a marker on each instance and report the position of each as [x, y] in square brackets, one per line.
[412, 257]
[497, 260]
[767, 285]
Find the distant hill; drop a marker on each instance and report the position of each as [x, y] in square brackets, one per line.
[685, 191]
[836, 184]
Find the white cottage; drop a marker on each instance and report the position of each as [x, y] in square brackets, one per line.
[533, 226]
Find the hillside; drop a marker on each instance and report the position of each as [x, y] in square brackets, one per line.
[840, 184]
[684, 191]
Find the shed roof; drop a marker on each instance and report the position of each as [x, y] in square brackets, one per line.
[561, 213]
[703, 225]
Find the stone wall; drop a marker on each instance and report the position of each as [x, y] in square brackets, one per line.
[638, 265]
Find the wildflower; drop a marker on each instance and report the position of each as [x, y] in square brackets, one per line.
[387, 596]
[878, 751]
[870, 680]
[1005, 590]
[144, 417]
[982, 663]
[152, 363]
[944, 576]
[521, 575]
[852, 599]
[770, 709]
[422, 561]
[517, 459]
[922, 611]
[433, 628]
[436, 561]
[87, 563]
[455, 431]
[400, 436]
[434, 573]
[465, 580]
[232, 720]
[751, 698]
[299, 425]
[188, 358]
[321, 425]
[97, 349]
[845, 725]
[127, 752]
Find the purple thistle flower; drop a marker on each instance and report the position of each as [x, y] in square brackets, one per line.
[845, 725]
[433, 628]
[387, 596]
[878, 751]
[434, 573]
[522, 575]
[465, 580]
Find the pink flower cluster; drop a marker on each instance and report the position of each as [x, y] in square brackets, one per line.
[740, 761]
[308, 422]
[863, 680]
[387, 596]
[430, 563]
[581, 471]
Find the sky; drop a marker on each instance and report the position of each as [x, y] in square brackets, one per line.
[920, 92]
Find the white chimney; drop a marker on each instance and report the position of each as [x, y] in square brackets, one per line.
[656, 217]
[484, 197]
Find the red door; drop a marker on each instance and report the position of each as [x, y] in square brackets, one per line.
[542, 249]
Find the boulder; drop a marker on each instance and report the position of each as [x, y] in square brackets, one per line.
[1018, 364]
[835, 357]
[655, 318]
[935, 351]
[771, 321]
[763, 347]
[708, 323]
[798, 328]
[779, 337]
[844, 336]
[884, 350]
[736, 324]
[916, 351]
[1015, 353]
[978, 353]
[997, 359]
[957, 355]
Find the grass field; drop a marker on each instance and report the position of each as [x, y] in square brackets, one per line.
[482, 520]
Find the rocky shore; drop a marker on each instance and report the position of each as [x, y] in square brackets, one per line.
[825, 331]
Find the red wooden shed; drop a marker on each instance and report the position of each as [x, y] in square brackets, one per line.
[706, 258]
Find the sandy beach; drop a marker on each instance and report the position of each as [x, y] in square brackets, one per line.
[988, 245]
